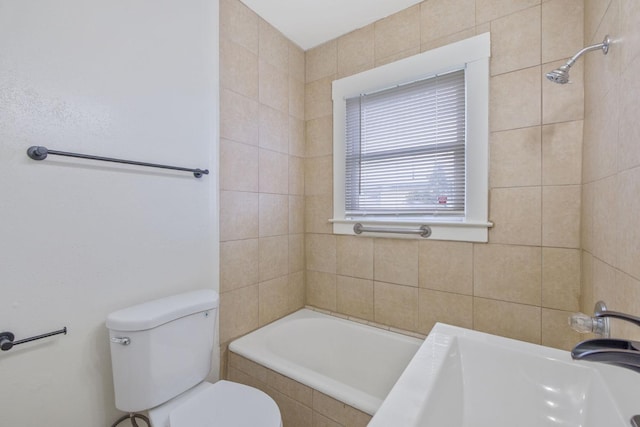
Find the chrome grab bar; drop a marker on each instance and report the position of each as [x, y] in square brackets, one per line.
[423, 231]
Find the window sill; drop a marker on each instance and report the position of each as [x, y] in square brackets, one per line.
[464, 231]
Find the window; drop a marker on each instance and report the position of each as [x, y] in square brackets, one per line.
[411, 144]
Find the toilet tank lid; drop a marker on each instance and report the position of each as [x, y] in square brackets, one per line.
[157, 312]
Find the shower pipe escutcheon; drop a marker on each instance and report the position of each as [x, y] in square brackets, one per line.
[40, 153]
[7, 338]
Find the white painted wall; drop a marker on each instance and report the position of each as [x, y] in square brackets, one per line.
[79, 239]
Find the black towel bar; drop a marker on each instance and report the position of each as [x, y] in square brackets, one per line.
[40, 153]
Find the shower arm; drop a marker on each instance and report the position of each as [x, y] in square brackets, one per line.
[604, 46]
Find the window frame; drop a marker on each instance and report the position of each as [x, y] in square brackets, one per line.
[472, 54]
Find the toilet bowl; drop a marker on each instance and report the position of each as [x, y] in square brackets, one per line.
[224, 403]
[161, 354]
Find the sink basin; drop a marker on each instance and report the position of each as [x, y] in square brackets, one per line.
[465, 378]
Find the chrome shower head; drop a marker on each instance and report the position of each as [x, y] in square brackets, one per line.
[561, 75]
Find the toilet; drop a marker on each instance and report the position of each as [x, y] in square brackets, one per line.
[161, 353]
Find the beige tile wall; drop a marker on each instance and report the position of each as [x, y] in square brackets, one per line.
[261, 172]
[526, 280]
[550, 196]
[300, 406]
[611, 176]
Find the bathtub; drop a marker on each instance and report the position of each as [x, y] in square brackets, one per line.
[349, 361]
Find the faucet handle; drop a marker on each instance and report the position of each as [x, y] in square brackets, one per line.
[585, 324]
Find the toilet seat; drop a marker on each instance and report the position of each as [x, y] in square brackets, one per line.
[226, 404]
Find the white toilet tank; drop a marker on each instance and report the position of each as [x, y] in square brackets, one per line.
[161, 348]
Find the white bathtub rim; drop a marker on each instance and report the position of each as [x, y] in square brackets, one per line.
[351, 396]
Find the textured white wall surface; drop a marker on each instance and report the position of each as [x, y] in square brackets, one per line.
[79, 238]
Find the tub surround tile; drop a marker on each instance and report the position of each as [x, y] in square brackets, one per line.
[322, 421]
[319, 137]
[296, 291]
[321, 290]
[296, 137]
[291, 388]
[296, 253]
[508, 273]
[273, 301]
[236, 375]
[398, 56]
[274, 257]
[562, 29]
[562, 153]
[556, 333]
[488, 10]
[594, 10]
[561, 216]
[318, 179]
[625, 300]
[273, 87]
[293, 412]
[322, 61]
[628, 235]
[274, 129]
[354, 256]
[356, 51]
[317, 211]
[320, 252]
[238, 166]
[517, 215]
[444, 18]
[238, 312]
[586, 284]
[515, 158]
[296, 214]
[273, 46]
[396, 305]
[317, 101]
[238, 264]
[239, 117]
[354, 297]
[515, 99]
[605, 245]
[518, 321]
[296, 98]
[274, 214]
[509, 53]
[452, 38]
[239, 24]
[239, 215]
[296, 62]
[238, 69]
[561, 279]
[274, 172]
[249, 367]
[446, 266]
[296, 175]
[435, 306]
[396, 261]
[397, 33]
[299, 404]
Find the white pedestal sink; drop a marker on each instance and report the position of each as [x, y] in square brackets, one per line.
[465, 378]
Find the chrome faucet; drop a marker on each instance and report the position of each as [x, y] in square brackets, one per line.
[624, 353]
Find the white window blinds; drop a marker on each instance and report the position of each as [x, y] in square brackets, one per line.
[405, 150]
